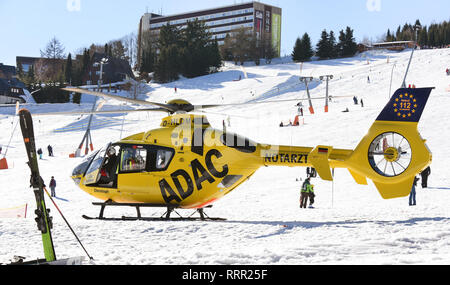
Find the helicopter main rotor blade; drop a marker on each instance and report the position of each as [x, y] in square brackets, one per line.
[101, 112]
[119, 98]
[198, 107]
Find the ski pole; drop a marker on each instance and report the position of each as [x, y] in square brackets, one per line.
[79, 241]
[10, 139]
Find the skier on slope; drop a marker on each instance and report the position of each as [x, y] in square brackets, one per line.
[52, 186]
[425, 175]
[50, 150]
[39, 152]
[412, 195]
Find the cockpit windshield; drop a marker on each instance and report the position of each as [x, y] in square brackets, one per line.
[92, 174]
[81, 169]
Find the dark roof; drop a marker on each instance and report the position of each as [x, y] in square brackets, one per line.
[26, 59]
[14, 82]
[7, 70]
[4, 86]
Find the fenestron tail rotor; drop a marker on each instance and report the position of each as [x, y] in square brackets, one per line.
[390, 154]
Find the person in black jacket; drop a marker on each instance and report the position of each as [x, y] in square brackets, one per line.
[425, 175]
[50, 150]
[39, 152]
[53, 186]
[412, 196]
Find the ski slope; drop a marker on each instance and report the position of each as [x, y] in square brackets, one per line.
[351, 224]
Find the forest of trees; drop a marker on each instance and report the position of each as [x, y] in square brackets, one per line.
[242, 45]
[188, 52]
[327, 47]
[435, 35]
[55, 69]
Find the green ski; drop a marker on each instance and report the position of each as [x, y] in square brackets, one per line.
[43, 220]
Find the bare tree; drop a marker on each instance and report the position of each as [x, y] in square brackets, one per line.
[135, 89]
[53, 50]
[130, 44]
[51, 66]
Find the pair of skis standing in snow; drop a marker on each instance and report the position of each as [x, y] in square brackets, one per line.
[43, 219]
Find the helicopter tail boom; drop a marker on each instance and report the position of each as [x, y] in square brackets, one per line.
[391, 154]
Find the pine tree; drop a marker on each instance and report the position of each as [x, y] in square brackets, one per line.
[323, 46]
[195, 42]
[148, 60]
[69, 69]
[303, 49]
[296, 53]
[389, 36]
[423, 36]
[168, 64]
[347, 44]
[334, 49]
[214, 57]
[398, 34]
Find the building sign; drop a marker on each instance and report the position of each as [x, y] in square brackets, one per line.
[276, 33]
[268, 21]
[259, 15]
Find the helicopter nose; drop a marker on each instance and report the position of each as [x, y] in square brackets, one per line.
[76, 179]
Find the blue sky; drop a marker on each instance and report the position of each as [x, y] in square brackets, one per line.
[27, 25]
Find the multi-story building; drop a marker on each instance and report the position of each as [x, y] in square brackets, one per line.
[262, 19]
[11, 88]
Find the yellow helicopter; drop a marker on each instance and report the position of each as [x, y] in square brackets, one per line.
[187, 164]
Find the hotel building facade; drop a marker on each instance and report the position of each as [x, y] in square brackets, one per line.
[264, 20]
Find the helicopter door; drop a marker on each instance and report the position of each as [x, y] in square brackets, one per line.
[93, 174]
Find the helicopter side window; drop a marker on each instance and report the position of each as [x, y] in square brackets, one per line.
[163, 158]
[133, 159]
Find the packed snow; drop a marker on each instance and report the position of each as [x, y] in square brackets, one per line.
[351, 224]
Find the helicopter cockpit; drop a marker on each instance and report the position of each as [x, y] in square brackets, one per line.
[102, 168]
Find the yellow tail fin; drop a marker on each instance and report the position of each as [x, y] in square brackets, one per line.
[393, 152]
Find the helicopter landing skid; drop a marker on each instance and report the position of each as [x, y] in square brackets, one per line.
[165, 217]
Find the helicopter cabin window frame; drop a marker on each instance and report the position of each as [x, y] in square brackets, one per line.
[156, 158]
[133, 158]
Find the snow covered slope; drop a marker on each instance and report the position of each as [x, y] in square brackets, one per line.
[351, 224]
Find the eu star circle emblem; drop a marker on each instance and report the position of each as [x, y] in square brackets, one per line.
[405, 105]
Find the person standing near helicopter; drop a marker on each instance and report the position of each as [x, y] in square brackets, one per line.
[304, 194]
